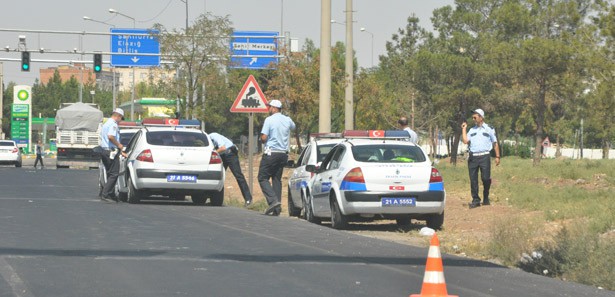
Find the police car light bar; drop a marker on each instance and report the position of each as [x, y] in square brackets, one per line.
[171, 123]
[394, 134]
[325, 135]
[128, 124]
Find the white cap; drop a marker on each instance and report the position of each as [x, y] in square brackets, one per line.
[119, 111]
[479, 112]
[275, 103]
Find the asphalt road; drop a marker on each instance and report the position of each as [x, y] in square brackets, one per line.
[58, 239]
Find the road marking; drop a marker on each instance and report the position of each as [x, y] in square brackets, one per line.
[12, 278]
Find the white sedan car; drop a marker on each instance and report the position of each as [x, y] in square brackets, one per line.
[171, 161]
[313, 154]
[378, 177]
[9, 153]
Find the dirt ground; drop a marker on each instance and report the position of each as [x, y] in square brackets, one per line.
[465, 231]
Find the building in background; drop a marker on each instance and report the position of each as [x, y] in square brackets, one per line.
[79, 71]
[154, 75]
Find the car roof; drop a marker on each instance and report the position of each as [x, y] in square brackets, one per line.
[6, 140]
[328, 141]
[131, 130]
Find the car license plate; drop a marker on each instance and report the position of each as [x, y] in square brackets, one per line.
[398, 201]
[180, 178]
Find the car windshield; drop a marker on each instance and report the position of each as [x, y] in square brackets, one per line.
[323, 150]
[6, 143]
[125, 137]
[388, 153]
[177, 138]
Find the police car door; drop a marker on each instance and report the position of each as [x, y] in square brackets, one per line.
[326, 182]
[299, 177]
[121, 181]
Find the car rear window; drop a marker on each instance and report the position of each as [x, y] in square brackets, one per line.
[177, 138]
[388, 153]
[6, 143]
[323, 150]
[125, 137]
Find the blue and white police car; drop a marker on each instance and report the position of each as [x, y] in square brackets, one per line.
[171, 158]
[376, 174]
[312, 154]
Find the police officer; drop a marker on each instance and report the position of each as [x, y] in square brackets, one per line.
[403, 124]
[39, 155]
[110, 144]
[228, 153]
[481, 139]
[275, 135]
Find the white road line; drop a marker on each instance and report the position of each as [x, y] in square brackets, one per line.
[12, 278]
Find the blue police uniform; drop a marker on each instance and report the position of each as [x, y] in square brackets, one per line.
[231, 159]
[481, 139]
[413, 136]
[110, 128]
[277, 127]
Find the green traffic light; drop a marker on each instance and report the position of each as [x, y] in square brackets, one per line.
[97, 68]
[25, 66]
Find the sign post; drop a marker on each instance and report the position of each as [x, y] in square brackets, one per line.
[250, 100]
[21, 116]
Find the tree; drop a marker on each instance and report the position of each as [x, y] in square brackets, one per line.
[200, 50]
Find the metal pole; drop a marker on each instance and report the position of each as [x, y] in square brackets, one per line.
[324, 120]
[282, 17]
[81, 69]
[250, 150]
[348, 106]
[113, 88]
[581, 144]
[132, 95]
[186, 16]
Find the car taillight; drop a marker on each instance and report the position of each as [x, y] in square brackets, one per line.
[436, 177]
[215, 158]
[15, 150]
[146, 156]
[355, 175]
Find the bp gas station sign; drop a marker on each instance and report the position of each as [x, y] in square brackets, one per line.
[21, 116]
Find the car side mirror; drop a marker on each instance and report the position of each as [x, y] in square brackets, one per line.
[311, 168]
[290, 164]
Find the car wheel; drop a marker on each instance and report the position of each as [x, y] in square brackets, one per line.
[133, 194]
[198, 198]
[435, 221]
[309, 211]
[217, 198]
[338, 220]
[403, 221]
[17, 164]
[293, 211]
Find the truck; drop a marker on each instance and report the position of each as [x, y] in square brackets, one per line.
[78, 128]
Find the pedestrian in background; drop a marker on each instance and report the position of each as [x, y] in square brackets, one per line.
[111, 149]
[481, 139]
[228, 152]
[39, 155]
[403, 125]
[275, 135]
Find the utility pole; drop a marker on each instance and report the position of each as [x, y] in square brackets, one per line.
[349, 102]
[1, 97]
[324, 120]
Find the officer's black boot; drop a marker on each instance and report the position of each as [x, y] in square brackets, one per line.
[486, 187]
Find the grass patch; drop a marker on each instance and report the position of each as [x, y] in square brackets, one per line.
[577, 194]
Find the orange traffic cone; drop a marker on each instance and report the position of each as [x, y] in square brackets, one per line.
[433, 282]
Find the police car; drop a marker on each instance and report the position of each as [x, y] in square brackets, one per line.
[376, 174]
[315, 151]
[172, 158]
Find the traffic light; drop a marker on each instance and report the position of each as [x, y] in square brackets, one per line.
[97, 63]
[25, 61]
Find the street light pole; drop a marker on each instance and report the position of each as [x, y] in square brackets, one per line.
[324, 120]
[372, 34]
[349, 102]
[114, 95]
[132, 95]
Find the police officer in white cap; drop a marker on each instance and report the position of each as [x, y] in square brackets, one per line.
[110, 144]
[481, 139]
[275, 135]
